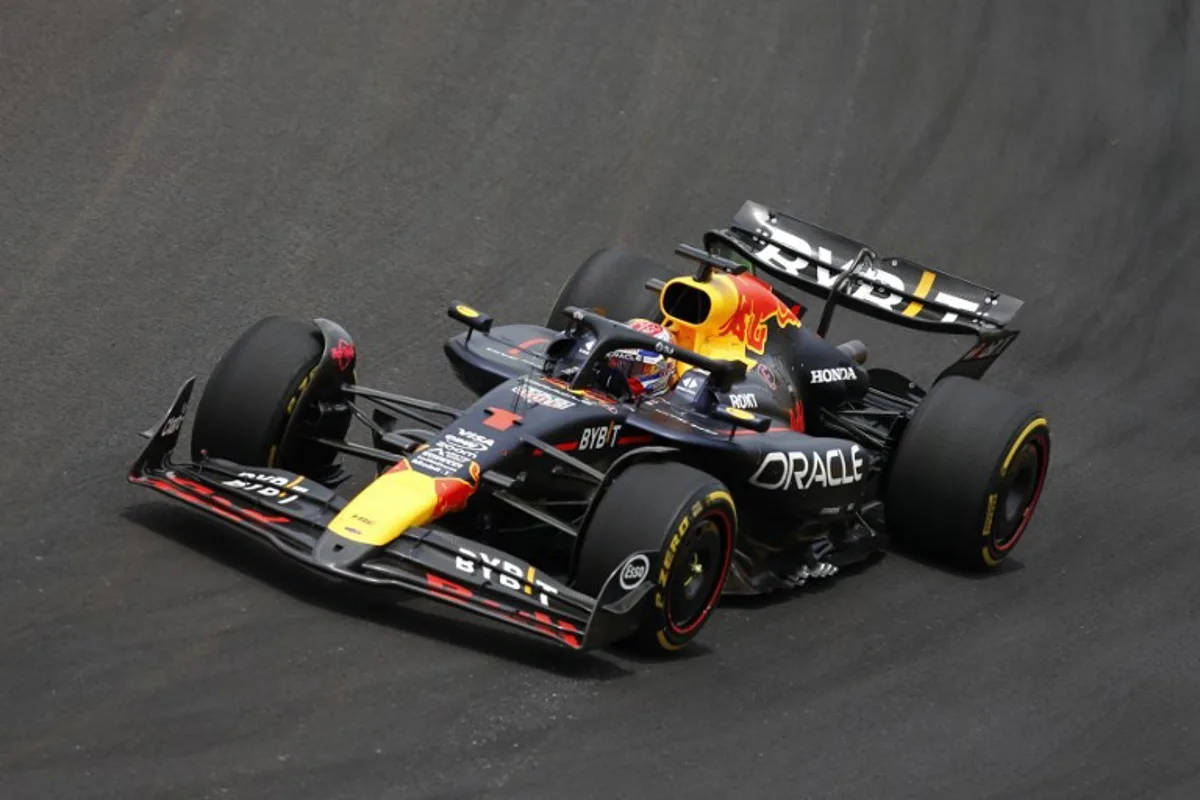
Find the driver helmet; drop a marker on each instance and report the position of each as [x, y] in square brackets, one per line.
[647, 372]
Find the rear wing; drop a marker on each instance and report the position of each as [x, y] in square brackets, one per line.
[849, 273]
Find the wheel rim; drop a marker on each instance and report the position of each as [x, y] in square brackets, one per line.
[1019, 493]
[697, 573]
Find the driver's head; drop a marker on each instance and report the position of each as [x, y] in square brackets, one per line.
[648, 372]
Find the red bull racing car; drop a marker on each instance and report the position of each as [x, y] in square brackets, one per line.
[665, 438]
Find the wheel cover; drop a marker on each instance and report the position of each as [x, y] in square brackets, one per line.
[1019, 492]
[697, 572]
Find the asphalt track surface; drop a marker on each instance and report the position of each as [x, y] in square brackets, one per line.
[171, 171]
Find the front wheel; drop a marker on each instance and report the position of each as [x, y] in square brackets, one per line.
[968, 473]
[257, 388]
[687, 517]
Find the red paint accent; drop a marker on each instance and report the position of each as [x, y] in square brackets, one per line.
[198, 488]
[501, 419]
[447, 587]
[453, 493]
[628, 440]
[401, 466]
[757, 305]
[544, 623]
[343, 355]
[263, 518]
[210, 500]
[491, 603]
[512, 351]
[796, 417]
[565, 446]
[193, 499]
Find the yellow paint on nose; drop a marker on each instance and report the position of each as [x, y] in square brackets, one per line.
[393, 503]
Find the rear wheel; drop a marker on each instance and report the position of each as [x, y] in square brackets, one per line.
[255, 391]
[688, 518]
[968, 473]
[613, 283]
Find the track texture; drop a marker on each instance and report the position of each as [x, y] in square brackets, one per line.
[171, 171]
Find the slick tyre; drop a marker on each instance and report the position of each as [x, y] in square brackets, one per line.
[968, 473]
[688, 518]
[253, 393]
[612, 283]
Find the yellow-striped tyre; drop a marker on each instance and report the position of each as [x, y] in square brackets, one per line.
[968, 473]
[253, 394]
[688, 519]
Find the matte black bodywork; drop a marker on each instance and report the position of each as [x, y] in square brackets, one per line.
[801, 435]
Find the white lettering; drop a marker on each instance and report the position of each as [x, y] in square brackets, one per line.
[796, 469]
[599, 437]
[832, 375]
[509, 575]
[746, 400]
[955, 302]
[888, 300]
[821, 258]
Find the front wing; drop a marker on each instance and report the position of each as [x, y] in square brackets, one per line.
[291, 512]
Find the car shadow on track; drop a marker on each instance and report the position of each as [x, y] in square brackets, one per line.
[381, 606]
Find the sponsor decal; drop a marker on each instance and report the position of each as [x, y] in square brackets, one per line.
[634, 572]
[801, 470]
[200, 495]
[343, 355]
[832, 375]
[599, 437]
[452, 453]
[451, 494]
[172, 425]
[589, 397]
[560, 629]
[794, 256]
[501, 419]
[743, 400]
[691, 381]
[269, 486]
[497, 569]
[767, 375]
[540, 397]
[757, 305]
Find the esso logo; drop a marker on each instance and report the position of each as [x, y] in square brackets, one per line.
[634, 572]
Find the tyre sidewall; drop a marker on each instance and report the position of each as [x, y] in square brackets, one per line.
[942, 484]
[254, 391]
[658, 507]
[658, 628]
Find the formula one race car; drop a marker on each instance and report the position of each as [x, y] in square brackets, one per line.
[665, 438]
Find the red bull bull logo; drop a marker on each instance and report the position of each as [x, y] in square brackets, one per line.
[453, 493]
[757, 305]
[400, 499]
